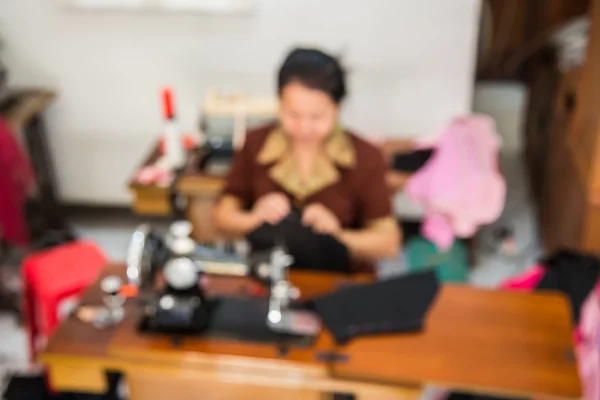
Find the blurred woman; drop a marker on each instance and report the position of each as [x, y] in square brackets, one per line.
[308, 161]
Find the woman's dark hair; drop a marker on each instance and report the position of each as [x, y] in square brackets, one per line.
[316, 70]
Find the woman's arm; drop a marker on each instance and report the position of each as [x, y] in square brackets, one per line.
[379, 235]
[380, 240]
[396, 180]
[231, 220]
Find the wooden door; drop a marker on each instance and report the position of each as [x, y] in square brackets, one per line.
[570, 204]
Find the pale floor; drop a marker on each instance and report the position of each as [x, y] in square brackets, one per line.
[112, 234]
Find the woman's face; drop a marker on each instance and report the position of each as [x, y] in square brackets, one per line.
[307, 115]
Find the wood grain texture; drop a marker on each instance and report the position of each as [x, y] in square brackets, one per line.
[506, 343]
[147, 383]
[200, 185]
[150, 199]
[518, 29]
[569, 203]
[589, 98]
[562, 204]
[159, 382]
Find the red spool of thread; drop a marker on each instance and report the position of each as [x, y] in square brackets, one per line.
[168, 103]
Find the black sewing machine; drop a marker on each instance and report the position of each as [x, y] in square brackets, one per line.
[181, 307]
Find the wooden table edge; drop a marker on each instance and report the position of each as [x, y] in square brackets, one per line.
[210, 361]
[321, 382]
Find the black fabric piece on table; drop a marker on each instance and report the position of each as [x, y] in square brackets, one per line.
[246, 319]
[572, 273]
[310, 250]
[33, 387]
[390, 306]
[411, 161]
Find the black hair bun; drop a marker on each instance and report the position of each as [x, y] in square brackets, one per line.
[316, 70]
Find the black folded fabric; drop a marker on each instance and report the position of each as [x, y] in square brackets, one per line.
[391, 306]
[34, 387]
[469, 396]
[412, 161]
[572, 273]
[311, 251]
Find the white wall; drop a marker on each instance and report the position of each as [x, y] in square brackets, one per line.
[411, 68]
[506, 102]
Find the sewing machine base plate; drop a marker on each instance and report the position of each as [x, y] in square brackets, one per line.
[239, 319]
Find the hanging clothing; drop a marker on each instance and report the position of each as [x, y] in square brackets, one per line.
[460, 187]
[16, 182]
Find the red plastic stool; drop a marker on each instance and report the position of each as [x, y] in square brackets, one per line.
[51, 279]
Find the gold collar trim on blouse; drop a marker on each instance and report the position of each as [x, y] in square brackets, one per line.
[338, 148]
[339, 151]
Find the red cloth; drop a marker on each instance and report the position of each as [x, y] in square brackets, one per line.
[53, 276]
[16, 181]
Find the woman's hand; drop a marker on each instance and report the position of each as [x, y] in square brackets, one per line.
[390, 147]
[321, 219]
[271, 208]
[396, 180]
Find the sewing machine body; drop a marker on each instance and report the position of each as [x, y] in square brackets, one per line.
[180, 306]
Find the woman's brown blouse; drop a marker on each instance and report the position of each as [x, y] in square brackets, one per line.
[349, 179]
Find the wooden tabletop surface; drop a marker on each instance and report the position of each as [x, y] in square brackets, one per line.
[497, 342]
[475, 339]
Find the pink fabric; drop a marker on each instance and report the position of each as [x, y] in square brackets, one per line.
[460, 187]
[526, 281]
[587, 350]
[16, 180]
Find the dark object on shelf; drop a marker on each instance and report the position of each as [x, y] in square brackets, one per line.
[3, 79]
[217, 156]
[218, 149]
[411, 162]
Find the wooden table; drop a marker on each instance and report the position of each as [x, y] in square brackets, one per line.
[506, 343]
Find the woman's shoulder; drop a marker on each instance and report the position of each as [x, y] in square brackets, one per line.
[256, 136]
[366, 151]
